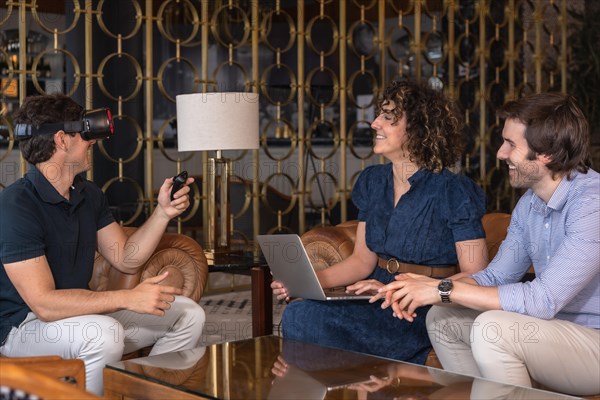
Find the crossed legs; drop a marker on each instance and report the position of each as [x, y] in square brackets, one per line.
[513, 348]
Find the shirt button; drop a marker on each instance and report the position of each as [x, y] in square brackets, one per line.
[546, 225]
[547, 257]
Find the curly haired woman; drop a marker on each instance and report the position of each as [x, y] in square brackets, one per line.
[414, 216]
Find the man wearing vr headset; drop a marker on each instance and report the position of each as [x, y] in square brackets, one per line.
[53, 221]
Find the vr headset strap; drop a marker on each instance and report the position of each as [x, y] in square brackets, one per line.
[23, 131]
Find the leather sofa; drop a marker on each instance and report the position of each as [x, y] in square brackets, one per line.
[181, 255]
[328, 245]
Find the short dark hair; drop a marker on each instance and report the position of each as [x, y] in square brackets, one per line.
[555, 127]
[39, 110]
[433, 123]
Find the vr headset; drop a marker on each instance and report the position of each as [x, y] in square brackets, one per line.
[94, 124]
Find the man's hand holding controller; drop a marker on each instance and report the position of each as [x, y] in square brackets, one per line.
[178, 183]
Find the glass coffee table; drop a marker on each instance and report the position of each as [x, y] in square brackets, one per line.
[270, 367]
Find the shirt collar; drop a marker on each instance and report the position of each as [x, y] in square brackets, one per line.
[48, 193]
[44, 188]
[559, 197]
[77, 190]
[417, 176]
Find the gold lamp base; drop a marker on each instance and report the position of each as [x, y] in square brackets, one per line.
[216, 228]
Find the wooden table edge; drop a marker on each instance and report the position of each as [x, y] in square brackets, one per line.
[120, 385]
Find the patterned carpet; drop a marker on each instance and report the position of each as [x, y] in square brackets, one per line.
[229, 316]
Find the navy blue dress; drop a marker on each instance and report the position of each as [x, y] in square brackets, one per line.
[437, 211]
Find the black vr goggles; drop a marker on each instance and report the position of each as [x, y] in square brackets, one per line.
[94, 124]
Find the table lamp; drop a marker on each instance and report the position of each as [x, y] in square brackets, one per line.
[217, 121]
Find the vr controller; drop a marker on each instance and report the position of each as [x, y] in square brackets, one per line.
[178, 182]
[94, 124]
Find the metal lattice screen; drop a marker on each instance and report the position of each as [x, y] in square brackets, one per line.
[318, 66]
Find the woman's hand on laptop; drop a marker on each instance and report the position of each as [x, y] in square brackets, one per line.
[280, 291]
[370, 286]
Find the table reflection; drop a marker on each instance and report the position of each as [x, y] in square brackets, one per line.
[185, 368]
[270, 367]
[320, 373]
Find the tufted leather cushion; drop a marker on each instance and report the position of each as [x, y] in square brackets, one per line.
[182, 256]
[328, 245]
[182, 271]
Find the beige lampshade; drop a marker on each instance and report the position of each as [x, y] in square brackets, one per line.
[217, 121]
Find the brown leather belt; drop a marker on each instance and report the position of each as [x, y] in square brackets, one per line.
[439, 271]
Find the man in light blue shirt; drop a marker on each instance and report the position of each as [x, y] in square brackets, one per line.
[547, 329]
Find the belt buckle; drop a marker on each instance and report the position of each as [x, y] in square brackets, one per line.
[390, 263]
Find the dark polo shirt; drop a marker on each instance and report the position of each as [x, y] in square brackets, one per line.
[35, 221]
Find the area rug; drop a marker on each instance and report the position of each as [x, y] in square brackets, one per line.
[229, 316]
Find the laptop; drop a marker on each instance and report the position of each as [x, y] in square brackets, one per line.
[290, 264]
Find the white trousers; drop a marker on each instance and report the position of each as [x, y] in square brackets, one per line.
[513, 348]
[102, 339]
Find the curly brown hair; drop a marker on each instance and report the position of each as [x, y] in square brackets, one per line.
[433, 123]
[39, 110]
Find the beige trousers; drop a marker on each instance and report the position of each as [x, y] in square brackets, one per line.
[514, 348]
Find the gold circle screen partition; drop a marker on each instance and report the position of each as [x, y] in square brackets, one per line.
[318, 66]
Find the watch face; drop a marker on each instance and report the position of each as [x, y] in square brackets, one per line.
[445, 285]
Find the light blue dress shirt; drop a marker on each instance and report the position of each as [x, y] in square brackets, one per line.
[561, 240]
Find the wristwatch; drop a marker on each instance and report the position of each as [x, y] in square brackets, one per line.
[445, 288]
